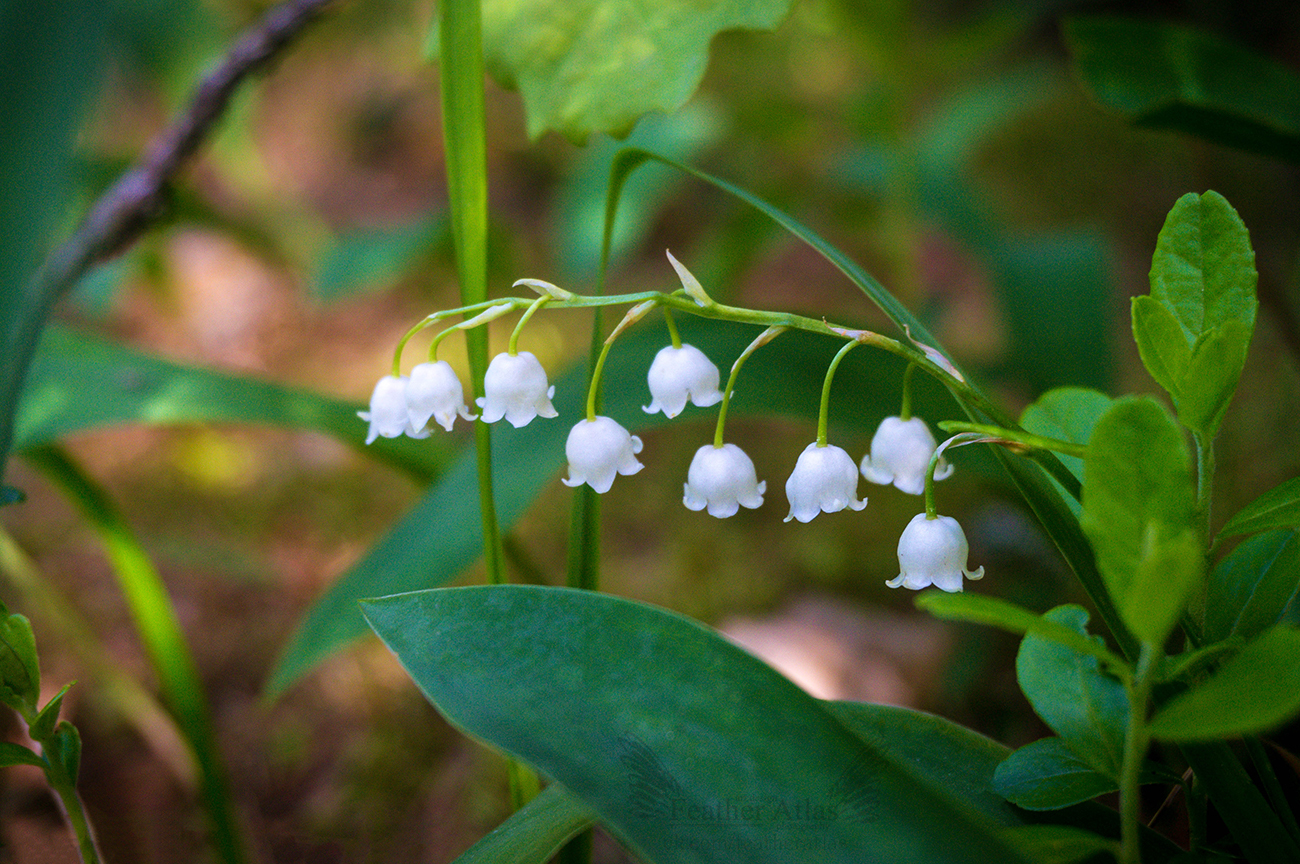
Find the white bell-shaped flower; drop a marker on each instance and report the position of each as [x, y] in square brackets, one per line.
[900, 454]
[515, 388]
[722, 479]
[933, 552]
[597, 450]
[679, 374]
[388, 416]
[824, 478]
[435, 391]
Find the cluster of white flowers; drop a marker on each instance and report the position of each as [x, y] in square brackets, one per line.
[721, 477]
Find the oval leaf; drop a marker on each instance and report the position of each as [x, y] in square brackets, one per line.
[1087, 708]
[688, 748]
[1254, 587]
[1277, 508]
[1255, 691]
[1048, 775]
[1137, 510]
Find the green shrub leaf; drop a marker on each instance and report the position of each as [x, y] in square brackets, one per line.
[1047, 775]
[1258, 689]
[1277, 508]
[1138, 499]
[1068, 689]
[1202, 288]
[1254, 587]
[534, 832]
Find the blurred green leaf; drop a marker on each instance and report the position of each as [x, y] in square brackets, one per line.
[1258, 689]
[534, 833]
[367, 261]
[584, 66]
[1277, 508]
[1194, 328]
[688, 748]
[16, 754]
[48, 69]
[81, 382]
[1138, 499]
[1164, 76]
[1047, 775]
[1085, 707]
[20, 672]
[64, 747]
[1067, 414]
[1254, 587]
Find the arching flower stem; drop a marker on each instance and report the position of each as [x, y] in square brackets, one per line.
[905, 410]
[931, 512]
[672, 328]
[823, 414]
[513, 347]
[763, 338]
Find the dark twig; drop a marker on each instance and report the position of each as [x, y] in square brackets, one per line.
[126, 209]
[136, 200]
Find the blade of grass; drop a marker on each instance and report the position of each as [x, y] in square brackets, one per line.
[160, 631]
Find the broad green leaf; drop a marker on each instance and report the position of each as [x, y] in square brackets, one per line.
[1203, 275]
[688, 748]
[16, 754]
[20, 673]
[1164, 76]
[442, 534]
[1047, 775]
[534, 833]
[994, 611]
[1138, 500]
[1258, 689]
[1058, 844]
[1068, 414]
[1083, 705]
[82, 382]
[1254, 587]
[1277, 508]
[586, 66]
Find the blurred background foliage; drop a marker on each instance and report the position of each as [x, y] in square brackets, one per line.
[1005, 193]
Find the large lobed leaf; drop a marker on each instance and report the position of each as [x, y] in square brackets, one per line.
[688, 748]
[586, 66]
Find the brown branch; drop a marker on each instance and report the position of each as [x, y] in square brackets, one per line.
[126, 209]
